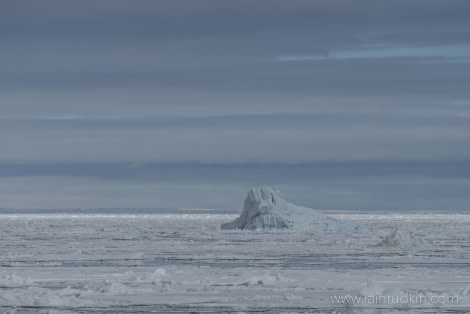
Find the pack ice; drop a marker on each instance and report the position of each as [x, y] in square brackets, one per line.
[402, 237]
[266, 209]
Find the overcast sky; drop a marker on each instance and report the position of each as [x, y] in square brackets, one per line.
[338, 104]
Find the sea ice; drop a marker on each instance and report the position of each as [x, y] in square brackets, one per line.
[401, 237]
[372, 288]
[13, 280]
[136, 263]
[266, 209]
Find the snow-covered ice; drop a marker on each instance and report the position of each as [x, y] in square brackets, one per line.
[266, 209]
[402, 237]
[153, 262]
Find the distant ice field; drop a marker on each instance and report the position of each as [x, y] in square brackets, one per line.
[125, 261]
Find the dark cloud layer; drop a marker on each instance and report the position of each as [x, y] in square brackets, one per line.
[256, 173]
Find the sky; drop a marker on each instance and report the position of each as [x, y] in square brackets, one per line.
[360, 105]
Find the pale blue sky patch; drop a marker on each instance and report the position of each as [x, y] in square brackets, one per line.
[295, 58]
[460, 52]
[460, 102]
[456, 51]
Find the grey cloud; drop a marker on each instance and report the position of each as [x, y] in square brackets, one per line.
[249, 138]
[244, 29]
[248, 173]
[357, 84]
[206, 18]
[69, 192]
[165, 58]
[117, 102]
[224, 187]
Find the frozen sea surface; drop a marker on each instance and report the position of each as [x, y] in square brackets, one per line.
[117, 262]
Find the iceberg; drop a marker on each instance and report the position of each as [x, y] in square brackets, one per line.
[266, 209]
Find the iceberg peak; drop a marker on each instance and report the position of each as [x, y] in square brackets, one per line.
[263, 198]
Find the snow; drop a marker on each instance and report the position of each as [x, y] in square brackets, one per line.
[402, 237]
[14, 280]
[265, 208]
[371, 288]
[128, 263]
